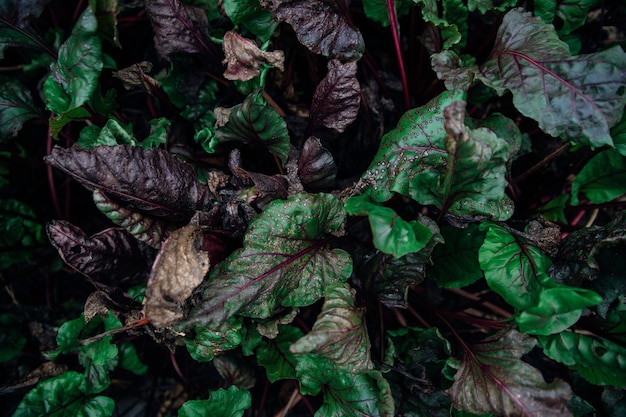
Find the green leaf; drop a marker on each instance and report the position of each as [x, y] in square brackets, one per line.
[618, 133]
[12, 340]
[209, 341]
[63, 396]
[339, 333]
[492, 378]
[573, 13]
[602, 179]
[562, 93]
[377, 9]
[250, 14]
[256, 125]
[16, 33]
[129, 359]
[440, 161]
[74, 77]
[21, 235]
[557, 309]
[285, 261]
[449, 22]
[514, 269]
[106, 14]
[455, 263]
[274, 354]
[221, 403]
[16, 107]
[596, 359]
[485, 6]
[392, 234]
[158, 133]
[113, 133]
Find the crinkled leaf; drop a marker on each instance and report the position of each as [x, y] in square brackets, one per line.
[440, 161]
[221, 403]
[449, 24]
[576, 98]
[129, 359]
[285, 261]
[485, 6]
[492, 377]
[596, 359]
[339, 332]
[573, 13]
[210, 341]
[179, 268]
[11, 338]
[556, 310]
[111, 134]
[316, 166]
[250, 14]
[455, 263]
[178, 27]
[320, 27]
[147, 229]
[451, 68]
[391, 234]
[274, 354]
[109, 256]
[377, 9]
[152, 180]
[337, 97]
[74, 76]
[256, 125]
[64, 393]
[243, 57]
[20, 233]
[16, 107]
[602, 179]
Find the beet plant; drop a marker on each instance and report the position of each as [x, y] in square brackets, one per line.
[329, 208]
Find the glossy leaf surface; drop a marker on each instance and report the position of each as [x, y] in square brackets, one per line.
[602, 179]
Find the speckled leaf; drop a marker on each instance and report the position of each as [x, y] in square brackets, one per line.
[244, 58]
[577, 98]
[256, 125]
[178, 27]
[602, 179]
[285, 261]
[339, 332]
[144, 228]
[316, 166]
[16, 107]
[208, 342]
[179, 268]
[320, 28]
[154, 181]
[337, 97]
[108, 256]
[492, 378]
[274, 354]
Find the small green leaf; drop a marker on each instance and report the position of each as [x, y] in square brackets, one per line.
[251, 15]
[596, 359]
[275, 356]
[557, 309]
[16, 107]
[209, 341]
[129, 359]
[256, 125]
[485, 6]
[113, 133]
[455, 263]
[602, 179]
[158, 133]
[221, 403]
[392, 234]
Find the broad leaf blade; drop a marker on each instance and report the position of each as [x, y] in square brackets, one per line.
[316, 166]
[284, 261]
[491, 377]
[339, 333]
[16, 107]
[152, 180]
[577, 98]
[337, 97]
[232, 402]
[602, 179]
[320, 28]
[274, 354]
[250, 14]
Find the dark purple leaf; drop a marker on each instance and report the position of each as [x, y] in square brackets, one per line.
[316, 166]
[337, 97]
[152, 180]
[320, 28]
[244, 58]
[106, 257]
[178, 27]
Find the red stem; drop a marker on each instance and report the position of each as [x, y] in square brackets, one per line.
[396, 41]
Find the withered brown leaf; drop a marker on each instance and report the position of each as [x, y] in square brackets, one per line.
[243, 58]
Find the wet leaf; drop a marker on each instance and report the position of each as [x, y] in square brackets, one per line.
[256, 125]
[339, 332]
[16, 107]
[221, 403]
[602, 179]
[596, 359]
[244, 58]
[108, 257]
[491, 377]
[560, 92]
[316, 166]
[274, 354]
[144, 228]
[337, 97]
[178, 27]
[179, 268]
[154, 181]
[320, 28]
[285, 261]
